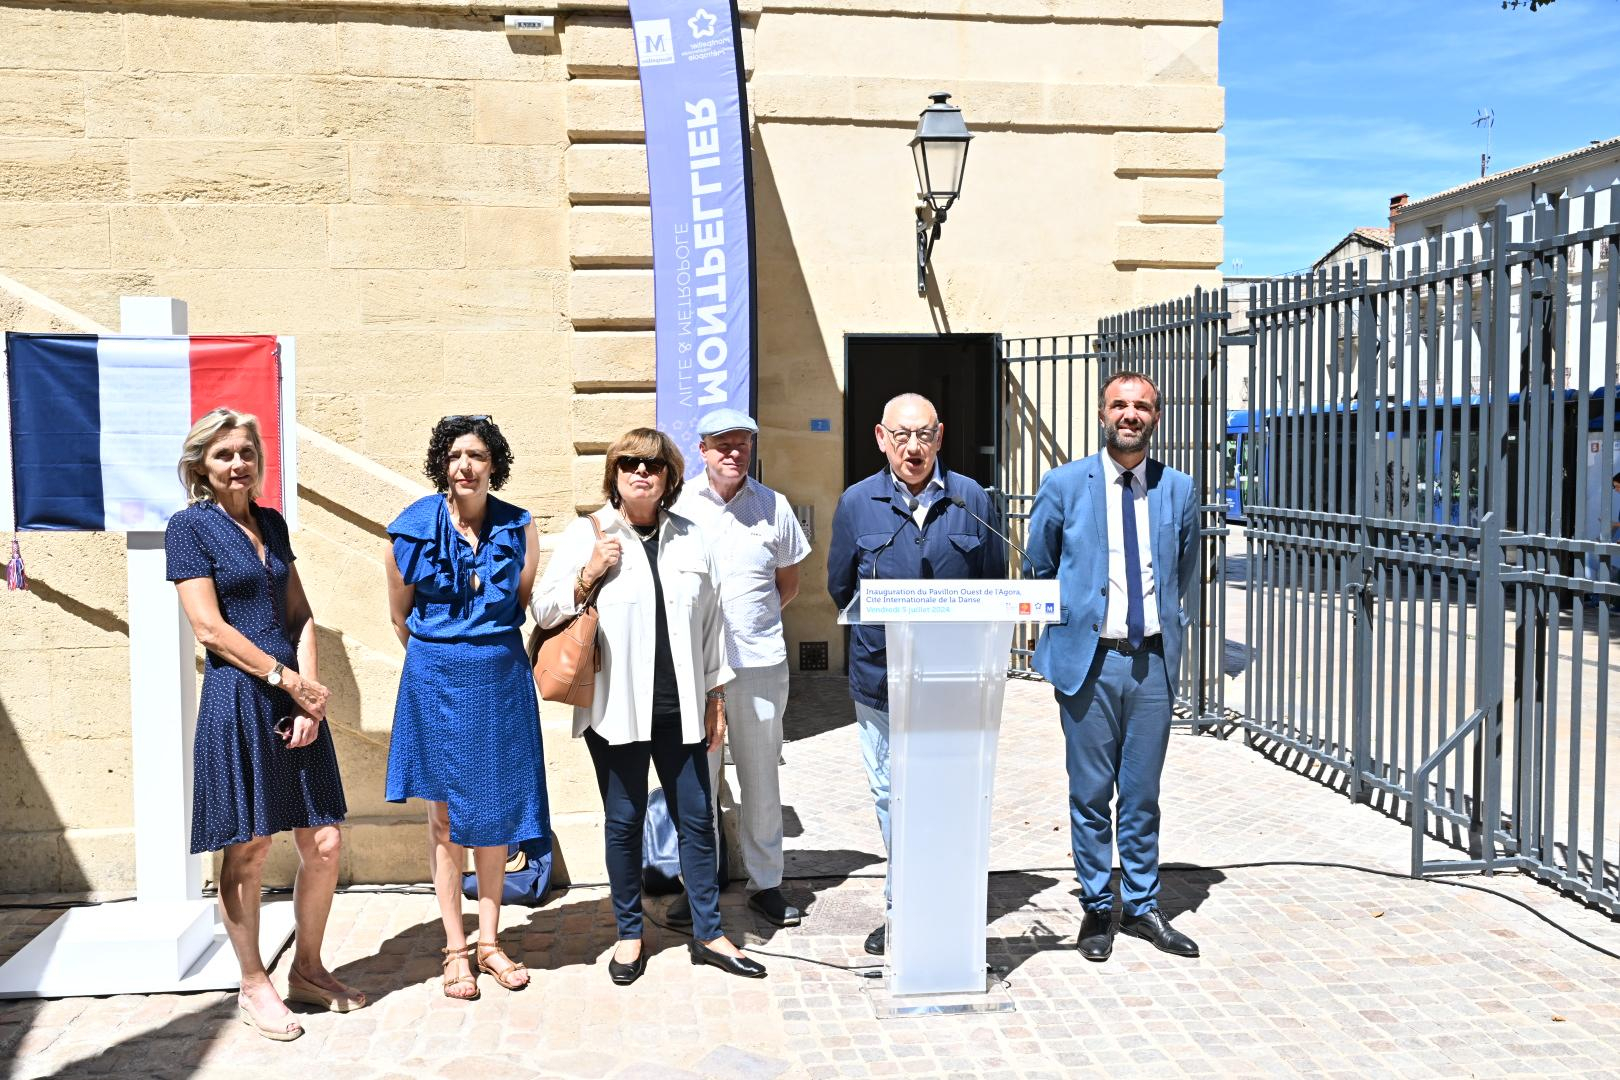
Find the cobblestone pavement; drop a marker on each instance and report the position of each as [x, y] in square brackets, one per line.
[1319, 958]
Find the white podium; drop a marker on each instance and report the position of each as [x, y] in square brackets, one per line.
[948, 645]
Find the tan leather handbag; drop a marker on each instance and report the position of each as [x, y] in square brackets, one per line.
[565, 658]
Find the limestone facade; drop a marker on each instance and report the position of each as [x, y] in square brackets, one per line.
[453, 220]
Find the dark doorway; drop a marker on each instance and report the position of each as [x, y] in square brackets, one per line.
[957, 372]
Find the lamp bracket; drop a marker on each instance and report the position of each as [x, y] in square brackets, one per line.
[929, 223]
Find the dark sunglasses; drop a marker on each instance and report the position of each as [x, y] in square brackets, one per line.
[631, 464]
[473, 419]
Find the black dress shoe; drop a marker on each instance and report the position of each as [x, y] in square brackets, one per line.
[774, 907]
[875, 940]
[732, 965]
[680, 912]
[625, 974]
[1096, 942]
[1153, 926]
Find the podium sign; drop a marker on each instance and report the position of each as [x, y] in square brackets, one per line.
[948, 647]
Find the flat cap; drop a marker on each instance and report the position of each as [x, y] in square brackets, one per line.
[715, 421]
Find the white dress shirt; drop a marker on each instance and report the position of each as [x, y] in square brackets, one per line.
[1114, 621]
[752, 535]
[626, 642]
[932, 492]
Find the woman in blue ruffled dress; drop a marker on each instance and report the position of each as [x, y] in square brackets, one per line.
[466, 732]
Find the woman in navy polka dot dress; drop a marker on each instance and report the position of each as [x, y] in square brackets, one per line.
[264, 760]
[466, 732]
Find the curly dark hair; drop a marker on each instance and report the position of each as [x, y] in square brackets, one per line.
[451, 428]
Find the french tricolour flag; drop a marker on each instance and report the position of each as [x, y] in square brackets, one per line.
[97, 423]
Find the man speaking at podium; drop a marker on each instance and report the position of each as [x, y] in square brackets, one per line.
[1120, 533]
[914, 519]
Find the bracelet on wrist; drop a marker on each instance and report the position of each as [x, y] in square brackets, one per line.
[716, 695]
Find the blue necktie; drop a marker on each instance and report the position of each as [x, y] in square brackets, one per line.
[1134, 618]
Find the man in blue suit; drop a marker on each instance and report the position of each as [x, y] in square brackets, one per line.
[903, 522]
[1120, 533]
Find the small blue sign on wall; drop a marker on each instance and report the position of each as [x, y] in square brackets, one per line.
[820, 424]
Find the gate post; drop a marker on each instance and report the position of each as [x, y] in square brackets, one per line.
[1362, 592]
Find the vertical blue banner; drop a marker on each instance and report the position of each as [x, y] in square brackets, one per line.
[689, 54]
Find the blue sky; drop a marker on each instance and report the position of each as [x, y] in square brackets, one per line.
[1332, 106]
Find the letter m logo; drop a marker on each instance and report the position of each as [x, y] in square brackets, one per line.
[654, 43]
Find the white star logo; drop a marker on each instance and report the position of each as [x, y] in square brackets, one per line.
[701, 24]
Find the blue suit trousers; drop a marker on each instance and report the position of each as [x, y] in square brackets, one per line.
[1115, 733]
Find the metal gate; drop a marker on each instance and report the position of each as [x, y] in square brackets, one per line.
[1049, 417]
[1428, 588]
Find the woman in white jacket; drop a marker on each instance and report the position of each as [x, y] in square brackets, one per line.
[660, 695]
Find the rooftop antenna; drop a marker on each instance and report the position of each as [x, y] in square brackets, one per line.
[1487, 120]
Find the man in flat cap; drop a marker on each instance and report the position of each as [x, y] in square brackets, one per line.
[758, 546]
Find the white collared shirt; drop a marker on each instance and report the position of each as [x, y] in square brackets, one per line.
[751, 537]
[1114, 620]
[627, 633]
[932, 492]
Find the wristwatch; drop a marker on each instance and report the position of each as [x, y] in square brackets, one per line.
[274, 678]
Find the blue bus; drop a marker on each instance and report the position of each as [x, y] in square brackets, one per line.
[1431, 458]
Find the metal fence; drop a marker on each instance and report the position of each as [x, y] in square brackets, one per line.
[1430, 567]
[1049, 417]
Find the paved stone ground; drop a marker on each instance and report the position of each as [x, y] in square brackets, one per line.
[1319, 958]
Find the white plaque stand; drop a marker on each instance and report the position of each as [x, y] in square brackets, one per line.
[948, 645]
[169, 938]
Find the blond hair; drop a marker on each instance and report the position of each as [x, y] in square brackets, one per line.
[193, 477]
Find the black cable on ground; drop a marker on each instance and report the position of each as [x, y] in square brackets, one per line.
[871, 971]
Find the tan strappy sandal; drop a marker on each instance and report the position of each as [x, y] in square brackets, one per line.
[488, 950]
[448, 981]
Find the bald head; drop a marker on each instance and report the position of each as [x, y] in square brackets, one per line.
[909, 437]
[909, 403]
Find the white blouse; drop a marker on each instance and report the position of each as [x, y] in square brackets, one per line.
[621, 711]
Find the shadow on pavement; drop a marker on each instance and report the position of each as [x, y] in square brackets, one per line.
[817, 704]
[1010, 893]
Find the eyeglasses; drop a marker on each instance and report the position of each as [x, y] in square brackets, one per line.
[627, 463]
[472, 419]
[923, 435]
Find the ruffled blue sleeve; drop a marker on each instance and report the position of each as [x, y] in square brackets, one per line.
[506, 530]
[417, 546]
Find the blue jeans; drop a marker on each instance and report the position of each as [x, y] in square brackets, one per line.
[1115, 733]
[874, 728]
[683, 770]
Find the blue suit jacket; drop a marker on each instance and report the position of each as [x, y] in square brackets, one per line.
[875, 536]
[1068, 540]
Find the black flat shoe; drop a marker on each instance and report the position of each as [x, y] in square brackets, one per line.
[1096, 943]
[1152, 926]
[732, 965]
[625, 974]
[876, 940]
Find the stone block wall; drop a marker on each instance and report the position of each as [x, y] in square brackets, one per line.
[451, 220]
[386, 184]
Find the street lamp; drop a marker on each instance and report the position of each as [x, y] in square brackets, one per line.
[939, 150]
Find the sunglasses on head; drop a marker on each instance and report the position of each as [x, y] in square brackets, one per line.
[629, 463]
[472, 419]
